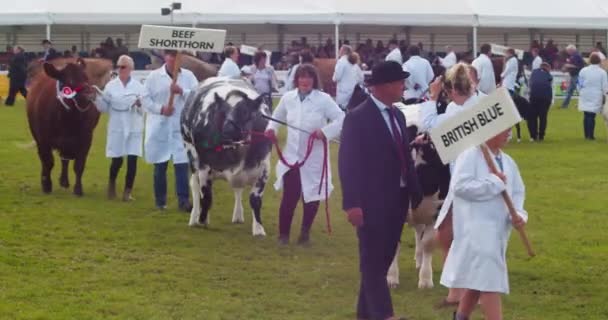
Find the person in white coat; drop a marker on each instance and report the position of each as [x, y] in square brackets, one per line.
[536, 60]
[313, 111]
[163, 139]
[421, 74]
[461, 91]
[509, 74]
[347, 75]
[229, 67]
[592, 87]
[450, 58]
[291, 72]
[485, 70]
[394, 53]
[121, 101]
[482, 227]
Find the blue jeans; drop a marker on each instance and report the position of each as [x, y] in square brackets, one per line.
[571, 88]
[589, 125]
[160, 183]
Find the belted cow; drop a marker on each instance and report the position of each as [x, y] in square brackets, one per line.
[62, 116]
[219, 124]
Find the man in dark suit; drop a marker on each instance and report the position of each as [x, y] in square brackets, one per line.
[378, 184]
[17, 74]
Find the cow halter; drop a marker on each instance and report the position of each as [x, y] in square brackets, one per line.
[65, 92]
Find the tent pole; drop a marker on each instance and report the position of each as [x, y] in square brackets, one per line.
[337, 37]
[474, 42]
[48, 31]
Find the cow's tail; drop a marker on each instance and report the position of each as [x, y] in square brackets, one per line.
[26, 146]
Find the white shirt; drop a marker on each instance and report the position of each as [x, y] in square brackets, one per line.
[509, 75]
[229, 69]
[536, 63]
[163, 139]
[291, 73]
[395, 55]
[311, 114]
[449, 60]
[592, 86]
[346, 76]
[125, 120]
[485, 74]
[421, 74]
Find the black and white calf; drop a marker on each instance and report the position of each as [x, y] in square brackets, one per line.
[217, 125]
[434, 178]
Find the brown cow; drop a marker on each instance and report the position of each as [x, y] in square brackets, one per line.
[326, 69]
[62, 116]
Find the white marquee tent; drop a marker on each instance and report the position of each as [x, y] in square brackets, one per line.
[546, 14]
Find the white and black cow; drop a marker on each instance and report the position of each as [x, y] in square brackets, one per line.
[217, 125]
[434, 178]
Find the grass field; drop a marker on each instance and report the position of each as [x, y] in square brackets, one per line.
[63, 257]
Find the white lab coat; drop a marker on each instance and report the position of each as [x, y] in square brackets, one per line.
[430, 118]
[291, 74]
[449, 60]
[482, 224]
[310, 115]
[421, 74]
[125, 122]
[509, 75]
[592, 85]
[485, 74]
[395, 55]
[536, 63]
[346, 76]
[163, 140]
[229, 69]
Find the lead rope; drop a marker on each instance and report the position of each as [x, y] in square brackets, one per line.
[299, 164]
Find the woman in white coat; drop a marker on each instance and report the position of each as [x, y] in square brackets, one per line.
[309, 109]
[592, 86]
[347, 75]
[482, 227]
[121, 100]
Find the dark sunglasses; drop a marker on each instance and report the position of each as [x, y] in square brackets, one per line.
[122, 67]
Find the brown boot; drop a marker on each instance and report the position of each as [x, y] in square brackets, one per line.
[112, 190]
[126, 195]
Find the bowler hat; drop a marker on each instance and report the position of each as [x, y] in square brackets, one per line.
[387, 72]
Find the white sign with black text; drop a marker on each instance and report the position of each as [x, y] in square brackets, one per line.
[181, 38]
[472, 127]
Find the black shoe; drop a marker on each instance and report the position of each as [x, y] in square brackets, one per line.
[304, 240]
[283, 240]
[185, 207]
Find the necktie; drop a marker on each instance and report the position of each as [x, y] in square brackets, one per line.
[499, 161]
[397, 139]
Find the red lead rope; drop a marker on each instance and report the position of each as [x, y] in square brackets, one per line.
[299, 164]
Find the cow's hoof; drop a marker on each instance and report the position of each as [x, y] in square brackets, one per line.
[64, 183]
[47, 185]
[392, 283]
[78, 191]
[258, 230]
[425, 284]
[238, 220]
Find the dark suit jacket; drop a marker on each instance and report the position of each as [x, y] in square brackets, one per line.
[370, 169]
[17, 69]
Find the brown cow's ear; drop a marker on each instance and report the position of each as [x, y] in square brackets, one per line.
[80, 62]
[51, 71]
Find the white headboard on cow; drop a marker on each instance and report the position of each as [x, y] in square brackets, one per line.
[227, 85]
[411, 113]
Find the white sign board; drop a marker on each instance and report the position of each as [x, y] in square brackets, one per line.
[248, 50]
[502, 50]
[471, 127]
[180, 38]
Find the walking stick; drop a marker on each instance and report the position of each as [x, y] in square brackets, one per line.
[178, 62]
[508, 202]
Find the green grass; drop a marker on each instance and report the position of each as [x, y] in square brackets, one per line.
[63, 257]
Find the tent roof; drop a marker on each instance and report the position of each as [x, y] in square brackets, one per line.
[584, 14]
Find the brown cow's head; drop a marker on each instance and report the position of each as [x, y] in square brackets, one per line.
[72, 84]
